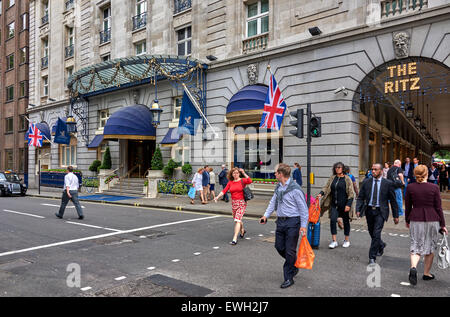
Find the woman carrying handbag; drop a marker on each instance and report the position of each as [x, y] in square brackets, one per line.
[238, 180]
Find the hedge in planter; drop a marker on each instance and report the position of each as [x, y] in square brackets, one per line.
[157, 161]
[107, 163]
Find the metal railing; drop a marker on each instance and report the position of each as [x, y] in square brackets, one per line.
[69, 51]
[139, 21]
[69, 4]
[181, 5]
[255, 43]
[390, 8]
[45, 19]
[105, 36]
[112, 174]
[44, 62]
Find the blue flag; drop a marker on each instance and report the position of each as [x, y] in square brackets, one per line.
[61, 134]
[189, 117]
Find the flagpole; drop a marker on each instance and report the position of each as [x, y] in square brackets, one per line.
[194, 101]
[270, 71]
[42, 134]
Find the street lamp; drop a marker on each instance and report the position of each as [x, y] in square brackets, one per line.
[409, 110]
[156, 113]
[71, 124]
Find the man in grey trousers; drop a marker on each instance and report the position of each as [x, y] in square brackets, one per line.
[70, 192]
[292, 219]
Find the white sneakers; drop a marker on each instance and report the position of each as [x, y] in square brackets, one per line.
[334, 244]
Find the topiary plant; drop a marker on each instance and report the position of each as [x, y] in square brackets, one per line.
[157, 161]
[171, 166]
[187, 169]
[107, 164]
[94, 166]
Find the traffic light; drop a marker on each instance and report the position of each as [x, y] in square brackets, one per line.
[316, 129]
[297, 123]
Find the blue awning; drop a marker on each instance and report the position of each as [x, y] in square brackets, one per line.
[172, 137]
[248, 98]
[131, 123]
[45, 130]
[98, 139]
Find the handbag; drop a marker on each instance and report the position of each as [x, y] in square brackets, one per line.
[305, 255]
[248, 195]
[443, 254]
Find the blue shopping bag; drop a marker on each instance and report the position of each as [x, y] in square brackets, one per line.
[191, 193]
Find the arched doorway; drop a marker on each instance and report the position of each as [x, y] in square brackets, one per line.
[403, 106]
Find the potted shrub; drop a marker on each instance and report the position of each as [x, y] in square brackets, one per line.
[95, 166]
[155, 173]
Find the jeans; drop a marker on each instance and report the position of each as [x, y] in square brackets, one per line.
[335, 214]
[406, 184]
[399, 198]
[65, 200]
[286, 240]
[225, 197]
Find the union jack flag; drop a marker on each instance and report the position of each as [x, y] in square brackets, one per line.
[35, 137]
[274, 107]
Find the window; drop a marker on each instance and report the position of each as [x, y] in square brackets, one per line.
[23, 123]
[24, 21]
[68, 153]
[103, 118]
[1, 7]
[45, 47]
[101, 150]
[105, 35]
[9, 125]
[23, 58]
[106, 57]
[23, 91]
[10, 93]
[140, 48]
[69, 72]
[10, 62]
[45, 12]
[184, 41]
[70, 41]
[141, 6]
[9, 159]
[11, 3]
[11, 30]
[177, 107]
[258, 18]
[45, 86]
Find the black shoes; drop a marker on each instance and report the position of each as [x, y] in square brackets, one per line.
[233, 242]
[287, 283]
[58, 216]
[243, 235]
[428, 278]
[296, 272]
[372, 261]
[81, 217]
[413, 276]
[381, 251]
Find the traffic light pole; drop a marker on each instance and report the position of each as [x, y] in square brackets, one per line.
[308, 154]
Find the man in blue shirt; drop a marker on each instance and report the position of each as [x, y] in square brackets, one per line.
[297, 175]
[292, 213]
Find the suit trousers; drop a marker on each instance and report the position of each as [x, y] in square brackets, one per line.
[286, 240]
[375, 224]
[65, 200]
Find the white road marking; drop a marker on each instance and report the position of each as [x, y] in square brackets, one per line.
[68, 207]
[120, 278]
[103, 236]
[216, 248]
[260, 235]
[22, 213]
[176, 260]
[197, 253]
[84, 289]
[151, 268]
[405, 284]
[404, 235]
[91, 226]
[393, 234]
[395, 295]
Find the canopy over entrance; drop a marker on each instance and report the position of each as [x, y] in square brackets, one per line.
[131, 72]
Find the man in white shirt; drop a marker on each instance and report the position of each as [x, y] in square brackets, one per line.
[70, 192]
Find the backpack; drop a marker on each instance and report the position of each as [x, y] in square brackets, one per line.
[393, 176]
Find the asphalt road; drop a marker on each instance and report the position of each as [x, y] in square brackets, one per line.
[132, 251]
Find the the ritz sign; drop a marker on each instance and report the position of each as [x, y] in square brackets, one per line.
[396, 85]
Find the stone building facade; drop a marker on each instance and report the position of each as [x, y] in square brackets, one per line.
[353, 51]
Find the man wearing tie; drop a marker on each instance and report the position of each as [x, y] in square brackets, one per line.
[373, 200]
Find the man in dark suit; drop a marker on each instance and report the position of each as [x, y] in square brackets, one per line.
[373, 200]
[411, 177]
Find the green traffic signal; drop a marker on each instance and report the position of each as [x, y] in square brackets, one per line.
[315, 125]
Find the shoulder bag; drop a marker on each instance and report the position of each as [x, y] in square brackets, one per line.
[443, 254]
[248, 195]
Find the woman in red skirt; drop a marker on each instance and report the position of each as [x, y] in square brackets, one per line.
[238, 180]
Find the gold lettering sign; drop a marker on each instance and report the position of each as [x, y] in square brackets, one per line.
[402, 84]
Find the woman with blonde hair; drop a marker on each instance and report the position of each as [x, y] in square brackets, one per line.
[237, 181]
[197, 184]
[424, 218]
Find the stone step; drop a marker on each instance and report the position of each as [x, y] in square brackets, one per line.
[123, 193]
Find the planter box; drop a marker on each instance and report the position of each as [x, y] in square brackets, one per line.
[56, 179]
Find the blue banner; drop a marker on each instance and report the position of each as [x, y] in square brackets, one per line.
[189, 117]
[61, 134]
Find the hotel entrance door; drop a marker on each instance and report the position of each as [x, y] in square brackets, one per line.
[139, 153]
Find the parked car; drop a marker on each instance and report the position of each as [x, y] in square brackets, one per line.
[10, 184]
